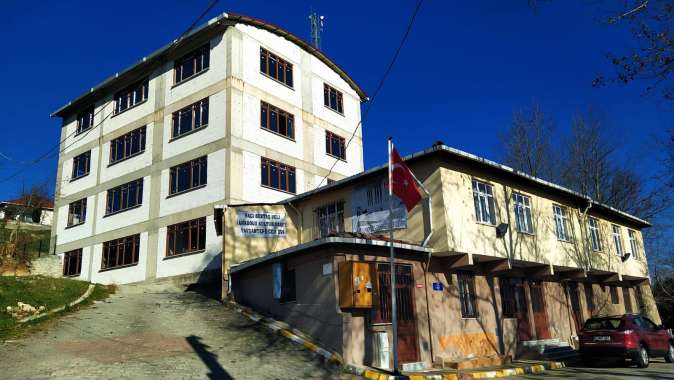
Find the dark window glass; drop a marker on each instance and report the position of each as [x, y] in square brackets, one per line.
[77, 212]
[131, 96]
[85, 120]
[81, 165]
[329, 219]
[603, 324]
[277, 175]
[120, 252]
[288, 290]
[186, 237]
[467, 294]
[191, 64]
[614, 295]
[72, 263]
[332, 98]
[335, 145]
[276, 120]
[128, 145]
[188, 175]
[190, 118]
[124, 197]
[276, 67]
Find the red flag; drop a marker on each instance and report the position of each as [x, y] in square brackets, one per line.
[404, 184]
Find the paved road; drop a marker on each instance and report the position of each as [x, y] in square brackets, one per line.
[157, 332]
[658, 369]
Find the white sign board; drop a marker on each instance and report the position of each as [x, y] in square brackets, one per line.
[371, 211]
[260, 224]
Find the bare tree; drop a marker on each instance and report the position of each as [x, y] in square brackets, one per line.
[527, 143]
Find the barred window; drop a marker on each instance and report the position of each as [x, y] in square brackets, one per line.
[277, 120]
[192, 64]
[77, 212]
[121, 252]
[85, 120]
[72, 263]
[276, 68]
[190, 118]
[277, 175]
[131, 96]
[188, 175]
[332, 98]
[124, 197]
[467, 294]
[335, 145]
[128, 145]
[81, 165]
[523, 213]
[329, 219]
[186, 237]
[483, 199]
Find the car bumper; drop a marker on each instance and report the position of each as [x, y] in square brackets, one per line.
[604, 351]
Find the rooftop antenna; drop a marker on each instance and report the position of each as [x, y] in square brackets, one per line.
[316, 23]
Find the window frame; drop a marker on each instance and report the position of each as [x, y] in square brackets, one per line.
[617, 240]
[334, 219]
[522, 204]
[201, 165]
[120, 243]
[561, 219]
[341, 141]
[613, 290]
[280, 62]
[328, 90]
[89, 114]
[489, 202]
[632, 238]
[67, 258]
[265, 122]
[203, 52]
[82, 203]
[124, 190]
[467, 294]
[127, 140]
[82, 156]
[196, 227]
[204, 109]
[594, 233]
[130, 94]
[279, 168]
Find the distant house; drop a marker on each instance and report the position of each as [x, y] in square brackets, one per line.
[29, 209]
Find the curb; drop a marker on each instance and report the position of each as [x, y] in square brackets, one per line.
[84, 296]
[292, 334]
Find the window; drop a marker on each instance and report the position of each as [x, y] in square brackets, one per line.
[284, 283]
[72, 263]
[633, 243]
[188, 175]
[81, 165]
[276, 68]
[128, 145]
[467, 294]
[332, 98]
[484, 203]
[593, 225]
[277, 120]
[617, 240]
[85, 120]
[523, 213]
[589, 297]
[329, 219]
[121, 252]
[190, 118]
[277, 175]
[627, 300]
[561, 223]
[77, 212]
[640, 298]
[192, 64]
[335, 145]
[614, 295]
[131, 96]
[124, 197]
[186, 237]
[512, 297]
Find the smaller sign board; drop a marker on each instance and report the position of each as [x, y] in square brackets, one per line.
[437, 286]
[260, 224]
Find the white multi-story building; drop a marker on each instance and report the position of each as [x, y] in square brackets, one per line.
[237, 111]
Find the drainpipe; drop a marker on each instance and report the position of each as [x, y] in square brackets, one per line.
[301, 220]
[582, 229]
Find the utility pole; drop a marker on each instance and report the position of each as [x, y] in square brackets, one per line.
[316, 24]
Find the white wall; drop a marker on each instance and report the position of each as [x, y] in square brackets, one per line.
[68, 234]
[253, 191]
[128, 165]
[125, 275]
[82, 183]
[125, 218]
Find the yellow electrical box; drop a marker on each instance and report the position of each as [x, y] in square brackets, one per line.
[356, 284]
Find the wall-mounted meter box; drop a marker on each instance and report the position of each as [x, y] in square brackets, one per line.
[356, 284]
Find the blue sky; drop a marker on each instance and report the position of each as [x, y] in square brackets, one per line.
[466, 67]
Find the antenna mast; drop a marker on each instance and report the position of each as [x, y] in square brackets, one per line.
[316, 23]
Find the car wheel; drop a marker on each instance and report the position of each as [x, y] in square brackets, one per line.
[641, 358]
[669, 358]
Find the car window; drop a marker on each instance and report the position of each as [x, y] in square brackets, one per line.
[649, 324]
[603, 324]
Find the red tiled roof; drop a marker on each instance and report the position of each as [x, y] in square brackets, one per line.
[35, 201]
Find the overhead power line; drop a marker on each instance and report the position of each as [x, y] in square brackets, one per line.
[376, 92]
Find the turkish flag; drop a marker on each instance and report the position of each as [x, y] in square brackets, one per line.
[403, 183]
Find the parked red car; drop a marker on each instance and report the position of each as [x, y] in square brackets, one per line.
[628, 336]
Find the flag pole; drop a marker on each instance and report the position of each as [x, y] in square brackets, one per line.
[394, 309]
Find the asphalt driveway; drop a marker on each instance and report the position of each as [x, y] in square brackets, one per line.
[157, 332]
[658, 369]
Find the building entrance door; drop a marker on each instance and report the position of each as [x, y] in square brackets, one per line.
[575, 305]
[538, 307]
[521, 311]
[408, 349]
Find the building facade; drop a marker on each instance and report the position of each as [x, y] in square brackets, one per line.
[493, 261]
[236, 111]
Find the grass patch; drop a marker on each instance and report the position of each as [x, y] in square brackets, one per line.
[41, 291]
